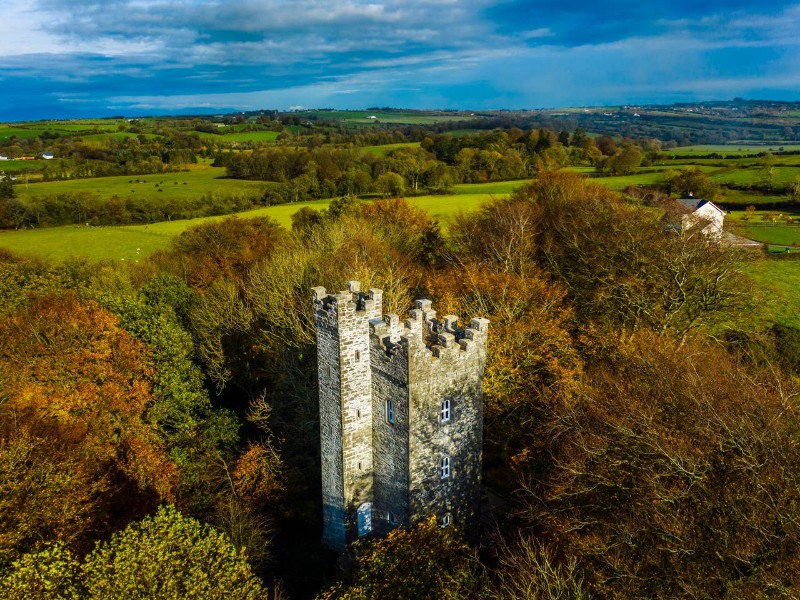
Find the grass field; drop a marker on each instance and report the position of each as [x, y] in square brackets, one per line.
[244, 136]
[777, 281]
[740, 197]
[386, 148]
[493, 188]
[732, 149]
[117, 136]
[780, 236]
[200, 180]
[136, 242]
[757, 175]
[13, 166]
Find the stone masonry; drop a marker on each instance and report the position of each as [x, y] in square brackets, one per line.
[401, 415]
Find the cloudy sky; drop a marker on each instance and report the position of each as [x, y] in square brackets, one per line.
[61, 58]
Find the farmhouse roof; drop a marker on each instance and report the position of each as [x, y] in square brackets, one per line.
[695, 203]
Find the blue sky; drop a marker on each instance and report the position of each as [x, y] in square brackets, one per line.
[61, 58]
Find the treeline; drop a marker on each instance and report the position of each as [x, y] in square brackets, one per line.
[438, 163]
[83, 208]
[642, 448]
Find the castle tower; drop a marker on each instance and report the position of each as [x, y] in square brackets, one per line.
[401, 415]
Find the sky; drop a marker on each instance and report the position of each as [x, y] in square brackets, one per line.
[73, 58]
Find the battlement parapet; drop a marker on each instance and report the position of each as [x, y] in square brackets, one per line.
[423, 332]
[349, 301]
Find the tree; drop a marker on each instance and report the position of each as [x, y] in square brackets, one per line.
[624, 161]
[768, 167]
[443, 566]
[794, 189]
[693, 182]
[390, 184]
[169, 556]
[527, 571]
[616, 262]
[675, 474]
[6, 187]
[52, 572]
[76, 449]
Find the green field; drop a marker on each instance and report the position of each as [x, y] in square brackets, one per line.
[12, 166]
[200, 180]
[386, 148]
[756, 175]
[493, 188]
[244, 136]
[740, 197]
[780, 235]
[122, 243]
[777, 282]
[116, 136]
[732, 149]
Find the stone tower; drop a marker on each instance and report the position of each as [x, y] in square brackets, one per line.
[401, 415]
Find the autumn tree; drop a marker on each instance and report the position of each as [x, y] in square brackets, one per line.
[74, 440]
[674, 475]
[618, 264]
[443, 566]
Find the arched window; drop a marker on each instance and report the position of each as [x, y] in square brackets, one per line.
[389, 411]
[445, 467]
[364, 519]
[445, 413]
[445, 520]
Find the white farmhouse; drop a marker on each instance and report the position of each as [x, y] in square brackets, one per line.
[703, 212]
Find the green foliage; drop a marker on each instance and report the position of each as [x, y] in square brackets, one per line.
[6, 187]
[169, 557]
[426, 561]
[52, 572]
[787, 346]
[694, 182]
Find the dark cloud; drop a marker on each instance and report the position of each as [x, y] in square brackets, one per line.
[446, 53]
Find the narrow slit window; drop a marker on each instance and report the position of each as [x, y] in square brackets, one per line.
[445, 410]
[445, 467]
[358, 355]
[389, 411]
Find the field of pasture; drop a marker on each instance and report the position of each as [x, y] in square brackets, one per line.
[138, 241]
[732, 149]
[198, 180]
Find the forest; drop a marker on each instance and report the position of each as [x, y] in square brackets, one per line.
[159, 431]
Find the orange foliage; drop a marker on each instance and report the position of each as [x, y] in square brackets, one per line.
[78, 384]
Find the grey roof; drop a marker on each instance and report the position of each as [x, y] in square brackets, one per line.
[693, 203]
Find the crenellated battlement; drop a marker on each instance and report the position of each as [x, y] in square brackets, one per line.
[397, 398]
[424, 332]
[350, 301]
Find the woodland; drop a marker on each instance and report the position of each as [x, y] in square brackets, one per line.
[159, 428]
